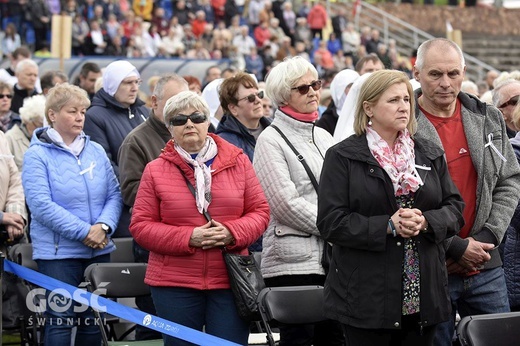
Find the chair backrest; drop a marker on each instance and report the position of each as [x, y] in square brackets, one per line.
[292, 304]
[118, 280]
[22, 254]
[124, 252]
[491, 329]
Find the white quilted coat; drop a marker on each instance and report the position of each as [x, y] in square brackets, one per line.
[292, 244]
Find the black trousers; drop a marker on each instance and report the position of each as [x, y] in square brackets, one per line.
[410, 334]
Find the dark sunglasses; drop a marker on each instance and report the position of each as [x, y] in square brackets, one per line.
[9, 96]
[304, 89]
[252, 97]
[182, 119]
[512, 102]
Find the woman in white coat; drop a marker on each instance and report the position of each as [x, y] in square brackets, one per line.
[292, 245]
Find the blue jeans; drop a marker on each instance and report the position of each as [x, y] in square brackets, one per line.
[483, 293]
[59, 324]
[212, 309]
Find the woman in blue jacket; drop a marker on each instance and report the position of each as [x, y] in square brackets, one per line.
[75, 203]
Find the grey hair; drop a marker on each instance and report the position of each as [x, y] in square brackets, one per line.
[23, 64]
[158, 91]
[33, 109]
[436, 42]
[182, 101]
[284, 76]
[497, 91]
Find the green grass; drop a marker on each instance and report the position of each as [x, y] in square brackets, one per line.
[10, 339]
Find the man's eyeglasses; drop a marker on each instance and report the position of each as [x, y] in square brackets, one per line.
[512, 102]
[304, 89]
[182, 119]
[252, 97]
[9, 96]
[131, 82]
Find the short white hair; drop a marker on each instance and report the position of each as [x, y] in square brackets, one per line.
[284, 76]
[182, 101]
[23, 64]
[33, 109]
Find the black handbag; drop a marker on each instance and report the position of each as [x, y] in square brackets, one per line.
[245, 278]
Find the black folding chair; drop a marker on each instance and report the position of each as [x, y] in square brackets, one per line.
[290, 305]
[29, 323]
[491, 329]
[118, 280]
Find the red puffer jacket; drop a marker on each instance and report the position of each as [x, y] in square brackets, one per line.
[164, 216]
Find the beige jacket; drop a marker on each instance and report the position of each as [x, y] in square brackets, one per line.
[18, 144]
[12, 199]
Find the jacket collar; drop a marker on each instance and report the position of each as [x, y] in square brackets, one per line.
[293, 124]
[103, 99]
[226, 157]
[158, 126]
[356, 148]
[229, 123]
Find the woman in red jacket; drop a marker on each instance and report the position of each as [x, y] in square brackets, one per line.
[186, 270]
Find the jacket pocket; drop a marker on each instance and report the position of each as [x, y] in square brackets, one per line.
[292, 245]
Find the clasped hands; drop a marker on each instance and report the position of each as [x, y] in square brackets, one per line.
[409, 222]
[210, 235]
[14, 224]
[475, 256]
[96, 238]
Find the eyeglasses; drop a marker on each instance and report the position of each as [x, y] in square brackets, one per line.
[304, 89]
[512, 102]
[131, 82]
[252, 97]
[9, 96]
[182, 119]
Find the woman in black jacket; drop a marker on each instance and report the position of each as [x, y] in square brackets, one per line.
[386, 204]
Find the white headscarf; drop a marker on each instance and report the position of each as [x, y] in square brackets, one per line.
[210, 94]
[339, 83]
[114, 74]
[345, 126]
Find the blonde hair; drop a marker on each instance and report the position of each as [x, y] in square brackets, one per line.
[62, 94]
[375, 85]
[515, 117]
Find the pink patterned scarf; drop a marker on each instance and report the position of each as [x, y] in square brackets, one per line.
[398, 163]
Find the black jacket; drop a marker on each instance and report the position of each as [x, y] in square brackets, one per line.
[236, 133]
[355, 201]
[329, 118]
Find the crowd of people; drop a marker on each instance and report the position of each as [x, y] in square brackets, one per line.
[253, 34]
[395, 188]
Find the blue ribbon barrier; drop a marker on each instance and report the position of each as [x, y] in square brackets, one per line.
[136, 316]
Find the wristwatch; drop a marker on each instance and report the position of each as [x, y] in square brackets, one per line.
[105, 228]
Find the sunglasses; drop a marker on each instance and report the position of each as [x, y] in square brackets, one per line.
[304, 89]
[182, 119]
[512, 102]
[9, 96]
[252, 97]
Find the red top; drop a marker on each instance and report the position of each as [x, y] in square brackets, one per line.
[460, 166]
[164, 216]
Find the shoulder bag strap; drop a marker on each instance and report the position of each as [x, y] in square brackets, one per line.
[192, 190]
[300, 158]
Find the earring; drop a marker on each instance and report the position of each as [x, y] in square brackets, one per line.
[369, 122]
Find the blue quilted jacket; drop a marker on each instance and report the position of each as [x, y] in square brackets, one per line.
[66, 195]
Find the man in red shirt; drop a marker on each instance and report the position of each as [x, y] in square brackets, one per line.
[484, 168]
